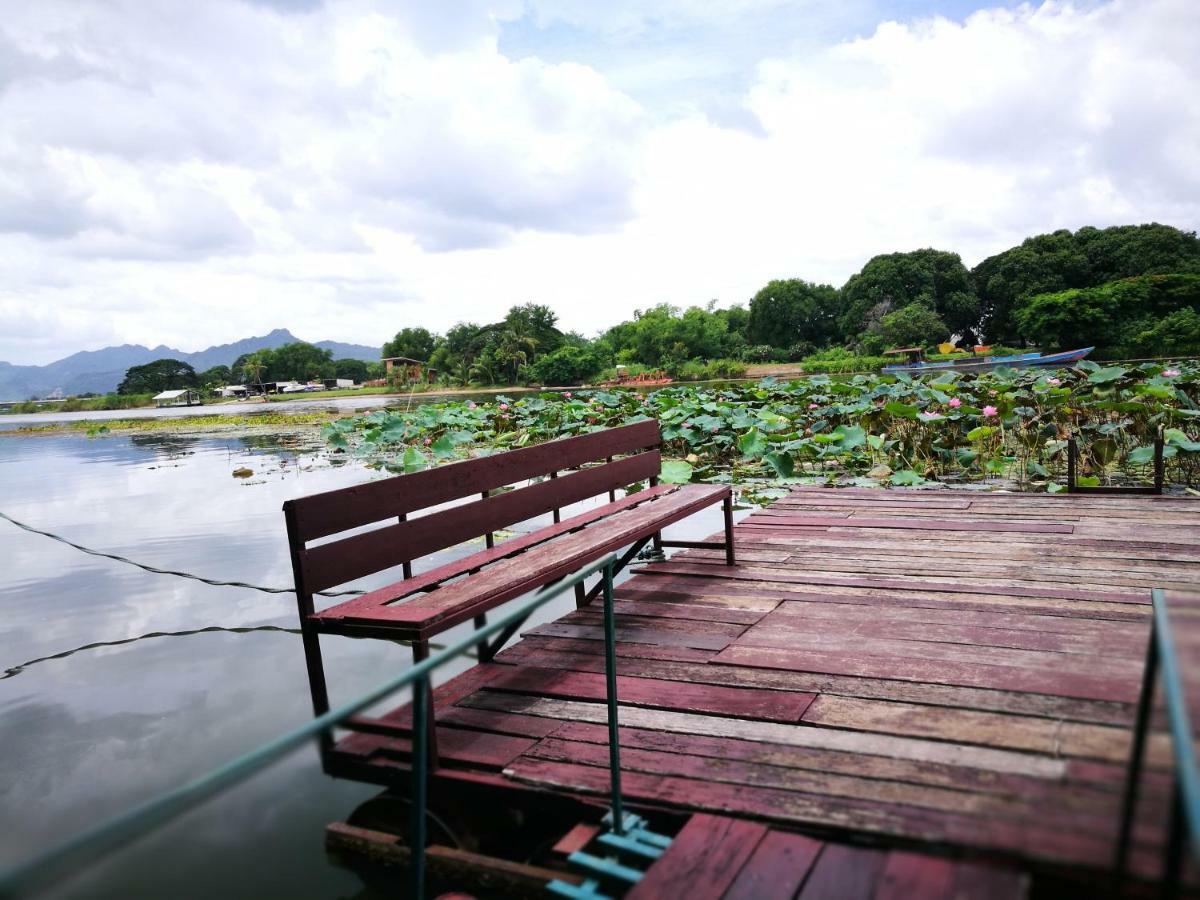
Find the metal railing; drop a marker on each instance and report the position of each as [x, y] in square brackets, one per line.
[91, 845]
[1161, 656]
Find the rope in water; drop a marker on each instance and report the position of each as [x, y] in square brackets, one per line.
[157, 571]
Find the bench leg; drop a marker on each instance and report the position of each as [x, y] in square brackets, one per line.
[316, 682]
[580, 595]
[727, 507]
[481, 649]
[617, 567]
[421, 652]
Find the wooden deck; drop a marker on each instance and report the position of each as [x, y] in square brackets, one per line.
[952, 671]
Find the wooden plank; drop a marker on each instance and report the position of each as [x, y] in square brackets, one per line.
[1097, 817]
[746, 703]
[665, 637]
[750, 573]
[380, 549]
[424, 580]
[1091, 791]
[776, 869]
[475, 748]
[778, 733]
[1039, 735]
[915, 524]
[331, 512]
[438, 610]
[702, 861]
[844, 873]
[786, 634]
[908, 875]
[642, 660]
[978, 882]
[1004, 678]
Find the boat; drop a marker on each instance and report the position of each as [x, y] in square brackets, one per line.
[915, 361]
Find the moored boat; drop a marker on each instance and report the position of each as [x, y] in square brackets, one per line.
[915, 363]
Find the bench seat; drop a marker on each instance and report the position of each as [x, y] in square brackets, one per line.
[419, 607]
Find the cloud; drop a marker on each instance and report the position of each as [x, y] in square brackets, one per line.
[345, 168]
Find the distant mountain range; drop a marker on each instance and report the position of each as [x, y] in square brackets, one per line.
[100, 371]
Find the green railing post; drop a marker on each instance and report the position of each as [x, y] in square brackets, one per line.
[610, 674]
[420, 785]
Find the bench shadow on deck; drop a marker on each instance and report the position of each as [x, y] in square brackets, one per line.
[952, 672]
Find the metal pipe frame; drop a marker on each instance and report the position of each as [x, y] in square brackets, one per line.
[1183, 830]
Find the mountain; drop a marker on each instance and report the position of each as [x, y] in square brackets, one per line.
[100, 371]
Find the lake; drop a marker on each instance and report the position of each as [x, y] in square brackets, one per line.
[90, 734]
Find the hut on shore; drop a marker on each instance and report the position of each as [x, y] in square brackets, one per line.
[406, 369]
[184, 397]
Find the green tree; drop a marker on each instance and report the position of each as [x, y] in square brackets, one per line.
[1120, 318]
[569, 364]
[414, 343]
[215, 377]
[935, 278]
[300, 361]
[915, 325]
[535, 322]
[792, 311]
[354, 369]
[155, 377]
[1060, 261]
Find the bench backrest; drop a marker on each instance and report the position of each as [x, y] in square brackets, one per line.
[333, 512]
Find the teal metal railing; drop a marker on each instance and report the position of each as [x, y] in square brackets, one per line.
[1184, 823]
[71, 857]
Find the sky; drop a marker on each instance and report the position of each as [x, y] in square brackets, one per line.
[193, 173]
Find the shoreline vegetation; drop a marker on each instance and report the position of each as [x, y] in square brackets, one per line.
[866, 430]
[1006, 428]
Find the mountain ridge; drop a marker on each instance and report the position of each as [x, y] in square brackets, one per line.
[100, 371]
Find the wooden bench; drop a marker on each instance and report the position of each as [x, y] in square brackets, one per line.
[420, 606]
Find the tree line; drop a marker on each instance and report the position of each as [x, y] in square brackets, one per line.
[1131, 290]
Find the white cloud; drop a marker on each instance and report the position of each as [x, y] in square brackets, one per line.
[191, 173]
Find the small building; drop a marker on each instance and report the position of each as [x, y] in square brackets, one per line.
[185, 397]
[407, 369]
[234, 390]
[333, 384]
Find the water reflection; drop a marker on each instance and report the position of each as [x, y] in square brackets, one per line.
[90, 734]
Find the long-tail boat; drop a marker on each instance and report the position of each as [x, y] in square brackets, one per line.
[915, 361]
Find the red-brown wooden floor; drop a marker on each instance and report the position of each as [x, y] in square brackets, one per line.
[954, 672]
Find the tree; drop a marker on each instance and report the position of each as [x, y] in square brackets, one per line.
[414, 343]
[791, 311]
[936, 278]
[1120, 318]
[1060, 261]
[214, 377]
[567, 365]
[155, 377]
[915, 325]
[536, 323]
[354, 369]
[300, 361]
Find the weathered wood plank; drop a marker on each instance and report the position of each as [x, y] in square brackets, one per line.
[773, 732]
[776, 869]
[746, 703]
[1004, 678]
[844, 873]
[702, 861]
[907, 875]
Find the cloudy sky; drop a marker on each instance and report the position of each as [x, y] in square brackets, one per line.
[192, 173]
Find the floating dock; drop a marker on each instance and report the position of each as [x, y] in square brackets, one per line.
[945, 676]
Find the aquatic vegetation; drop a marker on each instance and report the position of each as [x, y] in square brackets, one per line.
[864, 429]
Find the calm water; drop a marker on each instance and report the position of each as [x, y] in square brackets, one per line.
[90, 734]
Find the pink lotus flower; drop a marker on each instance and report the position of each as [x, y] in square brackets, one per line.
[686, 425]
[567, 394]
[928, 415]
[471, 404]
[813, 406]
[428, 441]
[503, 406]
[954, 403]
[715, 429]
[989, 410]
[1170, 373]
[1054, 381]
